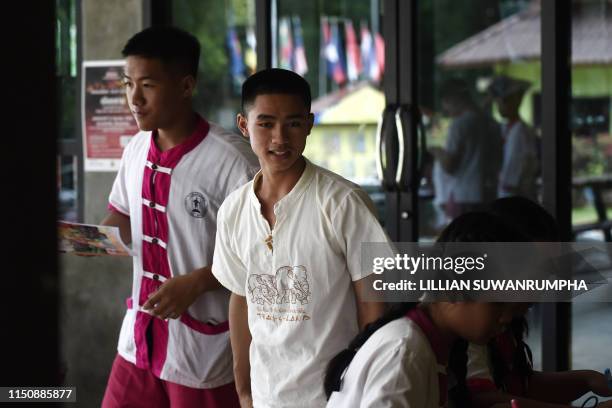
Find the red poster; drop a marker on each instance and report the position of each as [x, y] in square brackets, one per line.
[108, 124]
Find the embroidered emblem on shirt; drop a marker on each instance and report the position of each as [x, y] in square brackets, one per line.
[288, 286]
[196, 205]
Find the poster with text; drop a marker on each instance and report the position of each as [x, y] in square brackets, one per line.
[108, 124]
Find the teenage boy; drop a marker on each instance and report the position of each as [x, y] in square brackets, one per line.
[289, 248]
[174, 343]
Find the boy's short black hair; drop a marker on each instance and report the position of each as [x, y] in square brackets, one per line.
[171, 45]
[275, 81]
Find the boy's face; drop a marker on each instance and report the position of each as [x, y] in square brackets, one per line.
[156, 95]
[277, 126]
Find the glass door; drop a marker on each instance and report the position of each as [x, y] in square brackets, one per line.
[338, 46]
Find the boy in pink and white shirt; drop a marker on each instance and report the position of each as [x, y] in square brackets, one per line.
[174, 343]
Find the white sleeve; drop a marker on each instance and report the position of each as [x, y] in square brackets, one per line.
[227, 266]
[354, 222]
[119, 198]
[397, 379]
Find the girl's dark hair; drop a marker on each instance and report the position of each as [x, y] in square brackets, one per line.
[469, 227]
[538, 225]
[521, 359]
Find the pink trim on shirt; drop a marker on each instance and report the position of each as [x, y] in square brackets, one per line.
[204, 328]
[160, 345]
[111, 207]
[159, 190]
[171, 157]
[129, 303]
[155, 261]
[477, 385]
[147, 287]
[154, 223]
[438, 344]
[156, 189]
[140, 338]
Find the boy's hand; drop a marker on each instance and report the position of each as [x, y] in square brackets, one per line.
[176, 294]
[598, 383]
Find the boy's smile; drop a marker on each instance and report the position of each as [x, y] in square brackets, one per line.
[277, 126]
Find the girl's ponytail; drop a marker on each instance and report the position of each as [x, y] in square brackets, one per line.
[337, 366]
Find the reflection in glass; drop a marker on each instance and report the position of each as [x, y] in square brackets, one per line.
[338, 47]
[226, 31]
[591, 167]
[67, 188]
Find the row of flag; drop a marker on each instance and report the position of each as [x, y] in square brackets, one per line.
[355, 60]
[347, 57]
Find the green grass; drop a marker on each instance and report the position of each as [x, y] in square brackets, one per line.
[587, 214]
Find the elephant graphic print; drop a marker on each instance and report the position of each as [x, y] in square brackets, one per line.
[281, 297]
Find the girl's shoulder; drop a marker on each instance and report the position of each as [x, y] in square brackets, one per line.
[402, 334]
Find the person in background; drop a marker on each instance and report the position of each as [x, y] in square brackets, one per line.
[467, 167]
[520, 166]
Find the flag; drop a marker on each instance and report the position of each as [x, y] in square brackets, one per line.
[236, 63]
[380, 54]
[299, 53]
[250, 56]
[335, 66]
[353, 59]
[371, 67]
[285, 43]
[368, 53]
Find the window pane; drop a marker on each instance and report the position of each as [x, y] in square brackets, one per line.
[66, 67]
[67, 188]
[338, 47]
[592, 168]
[479, 81]
[226, 31]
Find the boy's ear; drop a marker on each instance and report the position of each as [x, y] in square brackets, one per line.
[311, 119]
[188, 85]
[242, 124]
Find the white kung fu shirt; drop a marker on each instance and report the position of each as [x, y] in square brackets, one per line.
[172, 198]
[297, 279]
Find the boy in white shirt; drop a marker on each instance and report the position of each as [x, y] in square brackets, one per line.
[289, 249]
[174, 346]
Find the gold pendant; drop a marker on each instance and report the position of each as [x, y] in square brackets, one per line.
[268, 242]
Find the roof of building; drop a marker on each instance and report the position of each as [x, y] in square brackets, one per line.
[517, 38]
